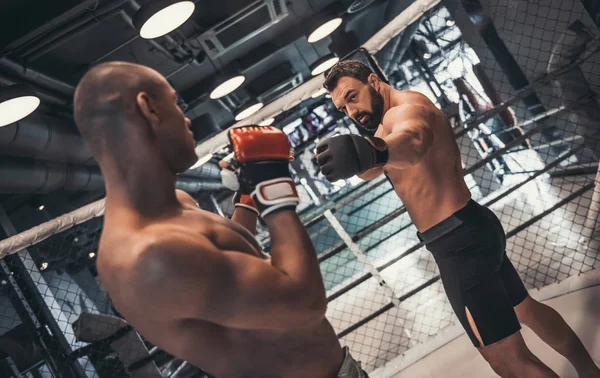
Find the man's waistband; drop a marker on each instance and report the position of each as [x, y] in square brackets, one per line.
[449, 224]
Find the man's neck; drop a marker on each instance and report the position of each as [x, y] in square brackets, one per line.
[144, 186]
[386, 93]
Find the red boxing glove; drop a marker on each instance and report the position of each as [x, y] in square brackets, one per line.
[245, 201]
[259, 143]
[263, 154]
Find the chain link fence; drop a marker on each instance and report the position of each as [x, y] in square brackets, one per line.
[518, 81]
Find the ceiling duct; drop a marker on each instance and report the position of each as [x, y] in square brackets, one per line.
[43, 137]
[242, 26]
[359, 5]
[29, 176]
[34, 176]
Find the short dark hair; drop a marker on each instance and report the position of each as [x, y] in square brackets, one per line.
[351, 68]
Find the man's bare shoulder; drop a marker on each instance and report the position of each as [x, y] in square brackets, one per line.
[185, 198]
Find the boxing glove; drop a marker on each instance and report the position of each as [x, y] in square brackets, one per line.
[262, 154]
[244, 201]
[343, 156]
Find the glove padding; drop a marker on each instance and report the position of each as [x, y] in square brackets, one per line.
[244, 201]
[343, 156]
[263, 154]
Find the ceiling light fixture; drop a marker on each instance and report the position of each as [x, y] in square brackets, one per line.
[248, 111]
[159, 17]
[323, 64]
[324, 30]
[17, 102]
[227, 87]
[319, 93]
[267, 122]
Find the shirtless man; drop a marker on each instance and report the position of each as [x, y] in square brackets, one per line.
[414, 145]
[191, 282]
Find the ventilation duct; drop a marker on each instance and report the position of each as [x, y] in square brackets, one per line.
[190, 185]
[208, 171]
[45, 138]
[29, 176]
[242, 26]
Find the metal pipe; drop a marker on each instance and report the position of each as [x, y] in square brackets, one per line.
[45, 138]
[14, 69]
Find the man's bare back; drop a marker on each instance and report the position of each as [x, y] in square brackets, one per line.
[434, 188]
[221, 351]
[193, 283]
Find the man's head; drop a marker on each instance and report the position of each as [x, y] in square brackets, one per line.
[121, 108]
[355, 90]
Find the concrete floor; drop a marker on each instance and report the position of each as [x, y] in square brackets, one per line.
[458, 359]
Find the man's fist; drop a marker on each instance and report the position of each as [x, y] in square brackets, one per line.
[343, 156]
[257, 143]
[262, 154]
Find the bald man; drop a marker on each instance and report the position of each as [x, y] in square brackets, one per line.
[193, 283]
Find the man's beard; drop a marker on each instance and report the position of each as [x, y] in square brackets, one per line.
[376, 115]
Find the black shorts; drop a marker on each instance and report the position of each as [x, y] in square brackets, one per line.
[469, 248]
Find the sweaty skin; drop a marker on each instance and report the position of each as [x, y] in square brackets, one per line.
[193, 283]
[424, 160]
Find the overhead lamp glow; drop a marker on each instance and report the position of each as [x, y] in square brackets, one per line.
[227, 87]
[159, 17]
[319, 93]
[17, 102]
[324, 30]
[267, 122]
[203, 160]
[323, 64]
[247, 112]
[92, 255]
[41, 207]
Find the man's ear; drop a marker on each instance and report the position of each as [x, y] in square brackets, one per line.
[374, 81]
[146, 105]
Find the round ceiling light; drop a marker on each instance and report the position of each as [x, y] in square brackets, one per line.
[17, 102]
[323, 64]
[227, 87]
[267, 122]
[324, 30]
[248, 111]
[319, 93]
[159, 17]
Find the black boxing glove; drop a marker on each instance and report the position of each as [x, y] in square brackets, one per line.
[343, 156]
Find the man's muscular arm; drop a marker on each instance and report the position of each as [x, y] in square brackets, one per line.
[187, 277]
[246, 218]
[410, 133]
